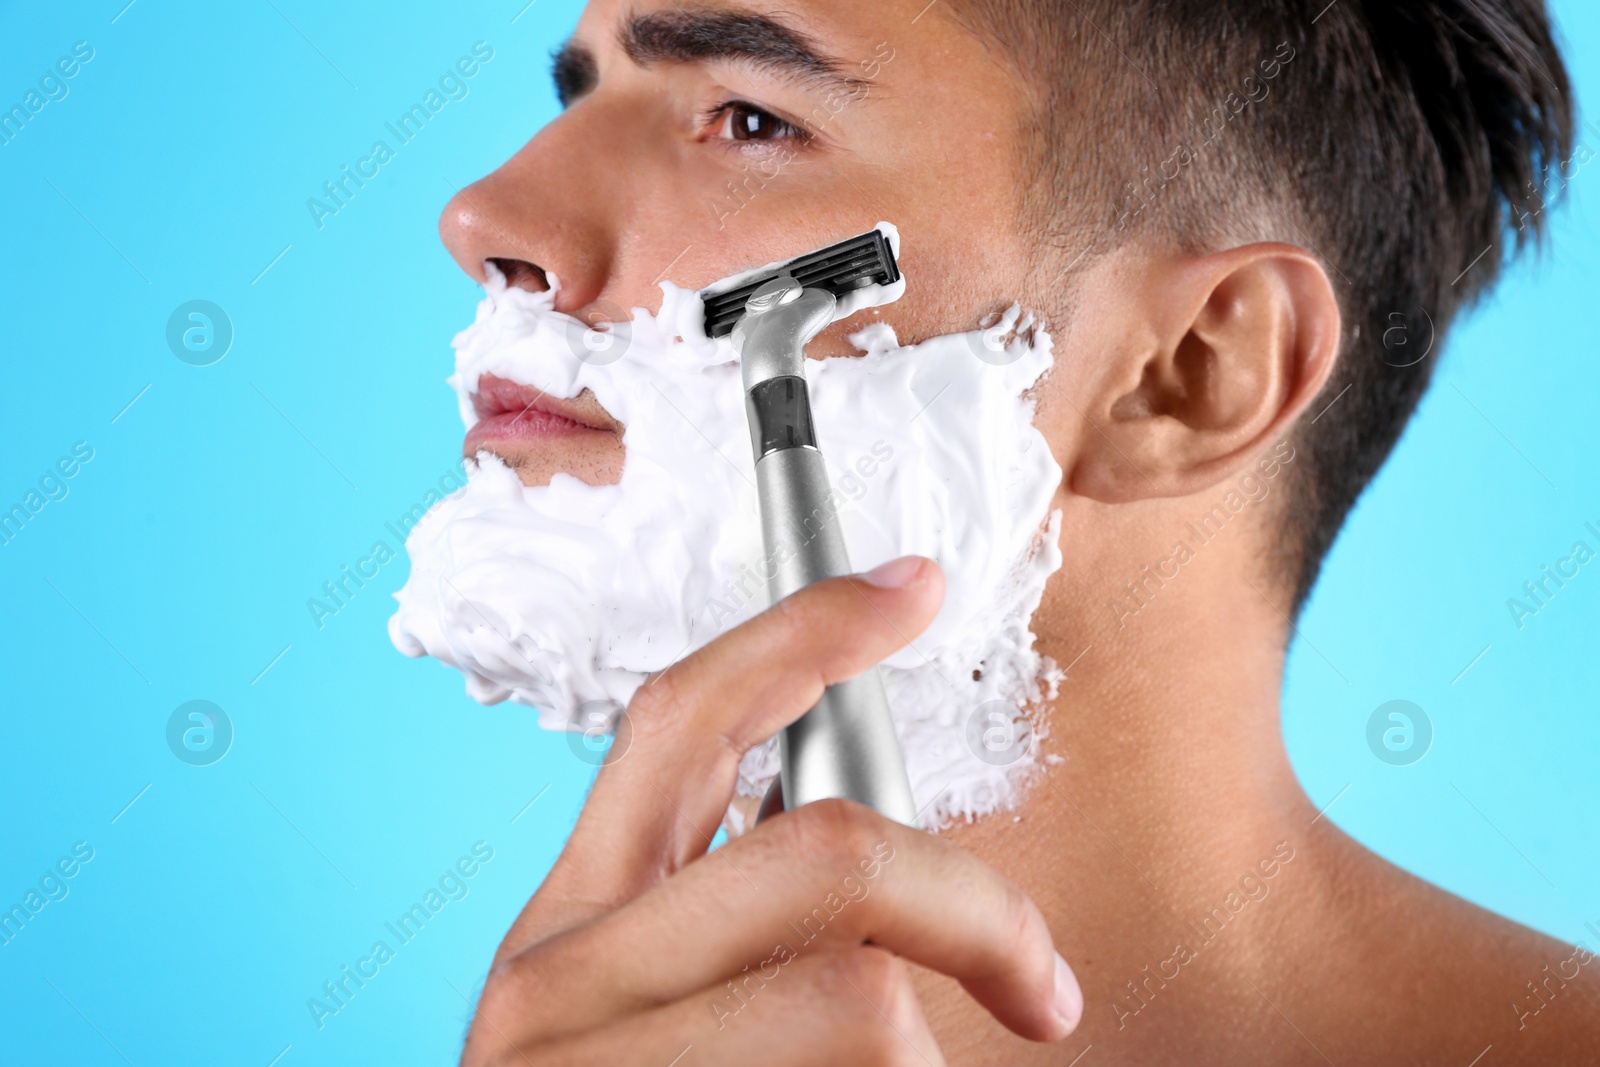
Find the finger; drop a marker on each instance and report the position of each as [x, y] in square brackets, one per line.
[855, 1006]
[657, 807]
[827, 876]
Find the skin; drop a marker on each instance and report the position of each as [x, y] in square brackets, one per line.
[1176, 375]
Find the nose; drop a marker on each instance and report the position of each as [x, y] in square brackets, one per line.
[534, 220]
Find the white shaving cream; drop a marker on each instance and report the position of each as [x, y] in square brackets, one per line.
[565, 597]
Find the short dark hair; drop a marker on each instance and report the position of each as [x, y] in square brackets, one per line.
[1409, 144]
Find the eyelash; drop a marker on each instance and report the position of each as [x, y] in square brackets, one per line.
[720, 114]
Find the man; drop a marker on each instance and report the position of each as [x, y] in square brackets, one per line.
[1221, 208]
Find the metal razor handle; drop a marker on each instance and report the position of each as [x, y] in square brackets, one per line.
[845, 746]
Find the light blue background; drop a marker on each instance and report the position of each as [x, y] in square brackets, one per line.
[179, 565]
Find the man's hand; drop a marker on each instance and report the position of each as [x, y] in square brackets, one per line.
[783, 946]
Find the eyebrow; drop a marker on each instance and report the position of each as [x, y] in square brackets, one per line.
[694, 36]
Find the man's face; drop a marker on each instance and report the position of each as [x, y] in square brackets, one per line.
[703, 140]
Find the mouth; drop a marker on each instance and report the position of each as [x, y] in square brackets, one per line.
[513, 417]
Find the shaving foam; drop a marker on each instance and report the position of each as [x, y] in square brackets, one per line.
[566, 597]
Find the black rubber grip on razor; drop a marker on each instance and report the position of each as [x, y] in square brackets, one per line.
[779, 412]
[840, 269]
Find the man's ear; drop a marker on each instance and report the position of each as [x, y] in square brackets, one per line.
[1231, 348]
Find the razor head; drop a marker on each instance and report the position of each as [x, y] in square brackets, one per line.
[840, 268]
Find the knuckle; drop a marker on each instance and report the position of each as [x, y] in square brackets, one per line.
[802, 610]
[879, 1046]
[667, 709]
[500, 997]
[1027, 945]
[656, 703]
[824, 616]
[834, 833]
[514, 985]
[879, 977]
[879, 1002]
[814, 611]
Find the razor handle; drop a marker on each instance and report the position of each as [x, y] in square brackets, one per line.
[846, 745]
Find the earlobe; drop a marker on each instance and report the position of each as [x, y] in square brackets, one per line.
[1236, 345]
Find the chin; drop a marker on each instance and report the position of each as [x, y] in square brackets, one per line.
[590, 463]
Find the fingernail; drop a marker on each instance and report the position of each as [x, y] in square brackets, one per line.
[896, 574]
[1069, 997]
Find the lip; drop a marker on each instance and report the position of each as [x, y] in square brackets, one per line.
[511, 412]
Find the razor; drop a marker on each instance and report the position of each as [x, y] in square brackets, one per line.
[845, 746]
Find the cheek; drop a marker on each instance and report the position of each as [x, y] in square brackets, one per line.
[1054, 414]
[604, 593]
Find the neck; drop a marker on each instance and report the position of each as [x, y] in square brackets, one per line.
[1174, 783]
[1200, 896]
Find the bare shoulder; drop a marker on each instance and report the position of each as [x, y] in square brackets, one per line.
[1450, 979]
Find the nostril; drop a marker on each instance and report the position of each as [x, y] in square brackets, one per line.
[521, 274]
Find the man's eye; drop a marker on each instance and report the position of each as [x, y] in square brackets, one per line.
[739, 121]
